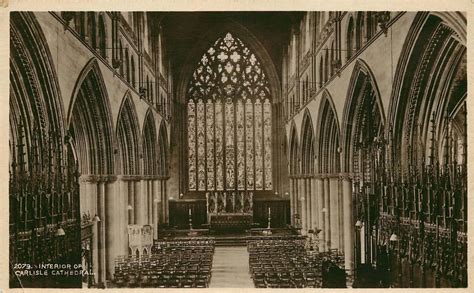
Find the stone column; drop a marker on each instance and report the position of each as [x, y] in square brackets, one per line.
[327, 207]
[307, 196]
[91, 196]
[348, 224]
[292, 202]
[314, 205]
[334, 214]
[131, 202]
[112, 227]
[143, 212]
[302, 198]
[160, 202]
[138, 208]
[156, 204]
[321, 215]
[166, 201]
[124, 217]
[150, 201]
[91, 206]
[296, 201]
[101, 234]
[341, 213]
[83, 195]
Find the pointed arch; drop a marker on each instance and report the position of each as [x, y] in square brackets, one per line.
[328, 136]
[127, 65]
[102, 35]
[122, 63]
[150, 145]
[90, 123]
[132, 71]
[128, 138]
[163, 154]
[229, 101]
[424, 99]
[333, 58]
[307, 144]
[92, 29]
[248, 38]
[80, 23]
[350, 39]
[363, 117]
[360, 30]
[321, 71]
[40, 155]
[326, 65]
[294, 151]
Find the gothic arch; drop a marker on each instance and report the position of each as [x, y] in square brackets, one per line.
[363, 116]
[102, 35]
[248, 38]
[150, 145]
[128, 138]
[90, 123]
[40, 154]
[359, 30]
[92, 29]
[163, 154]
[294, 151]
[350, 39]
[328, 136]
[307, 144]
[32, 62]
[427, 92]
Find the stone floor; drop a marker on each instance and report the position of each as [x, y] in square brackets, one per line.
[230, 268]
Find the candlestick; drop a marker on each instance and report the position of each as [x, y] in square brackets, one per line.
[190, 213]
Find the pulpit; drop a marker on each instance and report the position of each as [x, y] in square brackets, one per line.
[140, 239]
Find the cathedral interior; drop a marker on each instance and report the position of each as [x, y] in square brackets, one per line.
[301, 149]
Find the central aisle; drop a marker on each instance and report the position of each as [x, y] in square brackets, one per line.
[230, 268]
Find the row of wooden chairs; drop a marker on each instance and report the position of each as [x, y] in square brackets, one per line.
[283, 263]
[171, 265]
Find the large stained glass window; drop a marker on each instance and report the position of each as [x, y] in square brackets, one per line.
[229, 120]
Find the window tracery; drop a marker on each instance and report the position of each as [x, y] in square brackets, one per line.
[229, 120]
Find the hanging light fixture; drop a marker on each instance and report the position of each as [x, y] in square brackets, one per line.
[394, 237]
[358, 224]
[60, 231]
[96, 218]
[129, 207]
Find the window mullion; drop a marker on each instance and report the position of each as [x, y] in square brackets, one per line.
[244, 109]
[205, 145]
[196, 166]
[214, 142]
[224, 147]
[236, 187]
[254, 151]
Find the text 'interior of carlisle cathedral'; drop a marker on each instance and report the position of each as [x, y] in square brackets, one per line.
[238, 149]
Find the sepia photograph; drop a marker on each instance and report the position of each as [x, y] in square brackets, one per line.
[238, 149]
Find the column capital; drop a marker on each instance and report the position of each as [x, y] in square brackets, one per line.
[92, 178]
[319, 176]
[130, 177]
[345, 176]
[151, 177]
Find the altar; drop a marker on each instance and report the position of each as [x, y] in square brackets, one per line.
[229, 210]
